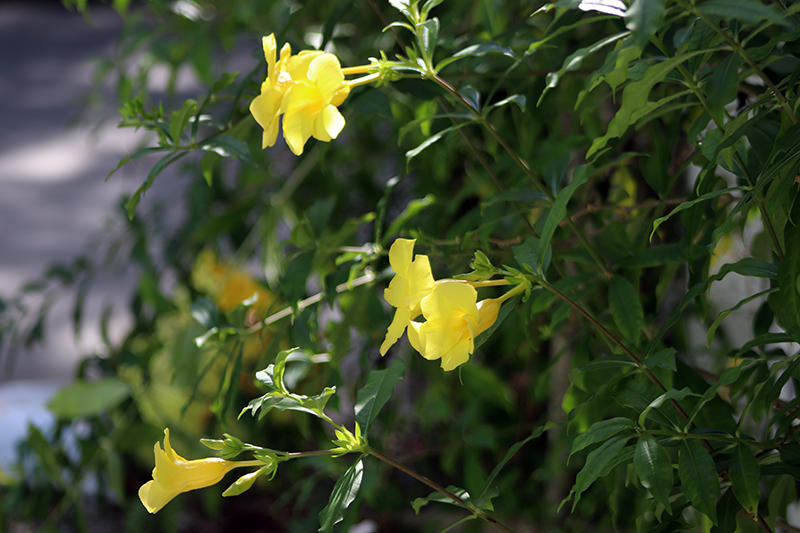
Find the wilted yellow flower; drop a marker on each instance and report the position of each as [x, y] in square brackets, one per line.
[306, 88]
[452, 321]
[173, 475]
[413, 281]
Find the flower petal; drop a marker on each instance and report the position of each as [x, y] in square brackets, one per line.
[458, 354]
[270, 46]
[402, 316]
[296, 131]
[326, 73]
[400, 255]
[331, 122]
[451, 298]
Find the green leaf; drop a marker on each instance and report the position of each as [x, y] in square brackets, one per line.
[698, 476]
[596, 463]
[623, 300]
[228, 146]
[559, 211]
[512, 451]
[161, 164]
[746, 11]
[672, 394]
[413, 208]
[717, 321]
[518, 99]
[723, 85]
[786, 303]
[527, 255]
[690, 203]
[343, 494]
[373, 396]
[476, 50]
[635, 99]
[411, 154]
[438, 497]
[599, 432]
[643, 19]
[574, 61]
[428, 33]
[45, 453]
[88, 398]
[744, 476]
[654, 468]
[180, 118]
[661, 359]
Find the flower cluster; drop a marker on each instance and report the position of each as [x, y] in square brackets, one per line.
[453, 315]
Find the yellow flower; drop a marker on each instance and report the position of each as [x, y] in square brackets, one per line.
[229, 285]
[452, 321]
[306, 88]
[173, 475]
[413, 281]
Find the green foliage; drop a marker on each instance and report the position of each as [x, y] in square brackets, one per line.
[638, 226]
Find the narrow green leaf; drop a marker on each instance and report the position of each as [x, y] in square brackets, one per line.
[574, 61]
[672, 394]
[723, 85]
[717, 321]
[690, 203]
[746, 11]
[476, 50]
[88, 398]
[559, 210]
[623, 300]
[374, 395]
[654, 468]
[698, 476]
[438, 497]
[512, 451]
[635, 99]
[786, 303]
[643, 19]
[180, 118]
[161, 164]
[596, 463]
[518, 99]
[744, 476]
[599, 432]
[411, 154]
[428, 33]
[343, 494]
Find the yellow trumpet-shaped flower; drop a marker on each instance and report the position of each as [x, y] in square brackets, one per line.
[413, 281]
[453, 318]
[306, 88]
[173, 475]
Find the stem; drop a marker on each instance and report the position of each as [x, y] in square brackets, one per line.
[438, 488]
[311, 300]
[521, 163]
